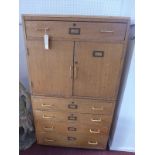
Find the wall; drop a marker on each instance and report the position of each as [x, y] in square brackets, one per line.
[123, 132]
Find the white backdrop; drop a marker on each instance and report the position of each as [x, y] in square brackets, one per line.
[124, 133]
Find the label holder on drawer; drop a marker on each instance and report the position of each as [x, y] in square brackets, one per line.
[74, 31]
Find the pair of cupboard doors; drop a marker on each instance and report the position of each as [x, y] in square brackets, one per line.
[75, 68]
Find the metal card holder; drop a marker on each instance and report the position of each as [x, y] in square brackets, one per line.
[74, 31]
[72, 106]
[72, 117]
[72, 129]
[71, 138]
[98, 53]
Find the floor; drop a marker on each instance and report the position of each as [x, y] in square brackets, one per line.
[48, 150]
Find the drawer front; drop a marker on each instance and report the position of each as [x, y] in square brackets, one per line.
[72, 105]
[72, 140]
[57, 116]
[56, 127]
[76, 30]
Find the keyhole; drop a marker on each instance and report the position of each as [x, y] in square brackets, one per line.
[74, 24]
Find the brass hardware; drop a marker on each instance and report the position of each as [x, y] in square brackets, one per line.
[72, 129]
[75, 72]
[49, 140]
[92, 143]
[72, 117]
[46, 105]
[72, 106]
[93, 108]
[49, 128]
[96, 120]
[93, 131]
[74, 31]
[71, 138]
[98, 53]
[71, 72]
[47, 116]
[106, 31]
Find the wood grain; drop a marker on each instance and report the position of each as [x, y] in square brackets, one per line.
[88, 30]
[71, 127]
[50, 69]
[87, 106]
[75, 18]
[72, 140]
[71, 84]
[97, 76]
[58, 116]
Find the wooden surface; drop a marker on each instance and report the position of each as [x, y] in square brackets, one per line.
[88, 30]
[38, 17]
[102, 72]
[87, 106]
[58, 116]
[74, 84]
[50, 69]
[72, 140]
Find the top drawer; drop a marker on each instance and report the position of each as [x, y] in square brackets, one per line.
[76, 30]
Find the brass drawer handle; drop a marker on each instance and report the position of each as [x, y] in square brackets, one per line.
[106, 31]
[44, 116]
[96, 120]
[46, 105]
[92, 143]
[50, 140]
[93, 108]
[49, 128]
[93, 131]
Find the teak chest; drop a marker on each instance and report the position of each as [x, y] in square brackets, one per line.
[75, 65]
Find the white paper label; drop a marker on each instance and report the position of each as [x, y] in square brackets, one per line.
[46, 41]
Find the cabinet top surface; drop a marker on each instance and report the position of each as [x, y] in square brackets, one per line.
[76, 18]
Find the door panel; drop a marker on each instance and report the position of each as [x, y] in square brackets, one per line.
[97, 69]
[50, 69]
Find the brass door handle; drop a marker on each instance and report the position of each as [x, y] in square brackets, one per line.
[106, 31]
[49, 128]
[94, 131]
[75, 72]
[46, 105]
[71, 72]
[93, 108]
[96, 120]
[92, 143]
[47, 116]
[50, 140]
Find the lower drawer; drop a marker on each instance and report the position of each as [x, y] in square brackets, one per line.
[48, 126]
[72, 140]
[58, 116]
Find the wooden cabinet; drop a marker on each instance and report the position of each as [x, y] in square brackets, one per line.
[95, 65]
[75, 66]
[50, 69]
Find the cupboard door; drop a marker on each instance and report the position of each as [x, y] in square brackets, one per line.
[51, 70]
[97, 69]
